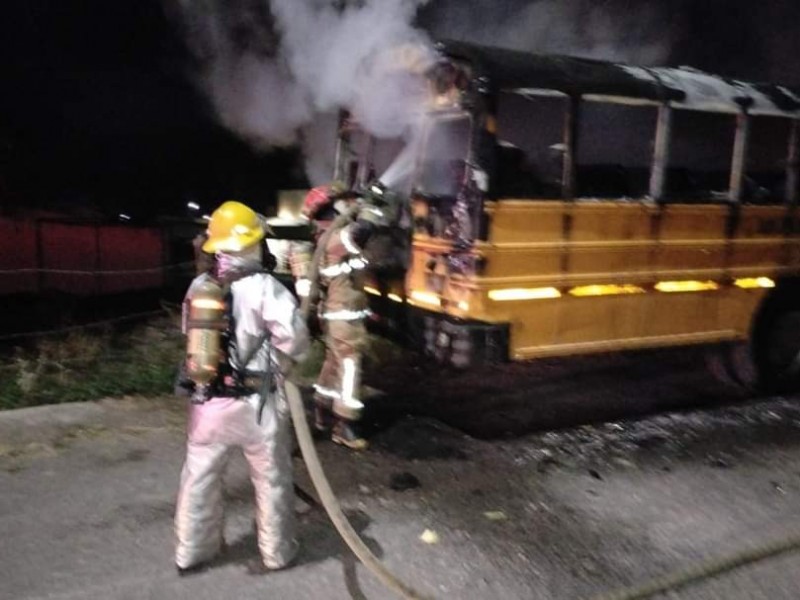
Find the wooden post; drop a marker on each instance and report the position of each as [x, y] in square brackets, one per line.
[739, 160]
[661, 148]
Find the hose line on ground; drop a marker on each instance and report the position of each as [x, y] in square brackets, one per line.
[310, 457]
[705, 570]
[331, 504]
[668, 582]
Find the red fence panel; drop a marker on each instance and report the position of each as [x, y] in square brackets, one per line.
[69, 257]
[18, 256]
[130, 258]
[83, 259]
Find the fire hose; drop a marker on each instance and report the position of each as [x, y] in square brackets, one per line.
[311, 459]
[705, 570]
[331, 503]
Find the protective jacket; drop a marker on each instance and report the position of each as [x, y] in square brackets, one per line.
[342, 312]
[259, 305]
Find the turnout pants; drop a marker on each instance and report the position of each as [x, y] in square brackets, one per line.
[339, 384]
[215, 429]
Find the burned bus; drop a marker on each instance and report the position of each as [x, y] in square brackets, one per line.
[559, 206]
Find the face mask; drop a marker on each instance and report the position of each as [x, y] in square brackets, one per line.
[234, 265]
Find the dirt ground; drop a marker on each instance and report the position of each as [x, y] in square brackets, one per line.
[556, 481]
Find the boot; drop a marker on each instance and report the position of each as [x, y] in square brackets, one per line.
[193, 570]
[345, 433]
[323, 419]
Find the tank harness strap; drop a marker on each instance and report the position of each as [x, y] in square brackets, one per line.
[233, 378]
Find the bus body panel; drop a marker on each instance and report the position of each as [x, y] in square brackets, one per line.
[598, 276]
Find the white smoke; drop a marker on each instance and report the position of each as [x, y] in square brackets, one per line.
[354, 59]
[252, 98]
[639, 32]
[320, 56]
[277, 71]
[318, 138]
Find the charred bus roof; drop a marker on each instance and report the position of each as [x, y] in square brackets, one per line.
[681, 87]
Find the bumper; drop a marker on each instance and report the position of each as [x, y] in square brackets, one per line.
[457, 342]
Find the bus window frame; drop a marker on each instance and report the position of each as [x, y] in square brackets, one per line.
[662, 145]
[434, 117]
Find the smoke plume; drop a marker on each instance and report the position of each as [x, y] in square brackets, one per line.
[639, 32]
[276, 72]
[276, 76]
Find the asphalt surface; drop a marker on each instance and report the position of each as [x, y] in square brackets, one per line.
[87, 496]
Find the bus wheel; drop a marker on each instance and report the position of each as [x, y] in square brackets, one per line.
[732, 365]
[776, 347]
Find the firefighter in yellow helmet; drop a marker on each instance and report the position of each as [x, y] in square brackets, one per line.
[243, 405]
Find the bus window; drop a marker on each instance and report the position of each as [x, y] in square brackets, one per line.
[615, 150]
[529, 136]
[447, 146]
[700, 156]
[388, 165]
[765, 175]
[352, 154]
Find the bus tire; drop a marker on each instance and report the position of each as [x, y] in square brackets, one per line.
[733, 366]
[776, 343]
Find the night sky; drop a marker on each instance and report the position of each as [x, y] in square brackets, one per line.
[97, 109]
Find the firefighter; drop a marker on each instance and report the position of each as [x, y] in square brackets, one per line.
[318, 208]
[342, 311]
[264, 334]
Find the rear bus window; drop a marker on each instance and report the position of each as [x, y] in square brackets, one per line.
[615, 150]
[529, 146]
[700, 156]
[765, 174]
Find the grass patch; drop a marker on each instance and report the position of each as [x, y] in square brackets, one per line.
[92, 365]
[143, 361]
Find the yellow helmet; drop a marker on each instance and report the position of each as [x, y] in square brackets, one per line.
[233, 227]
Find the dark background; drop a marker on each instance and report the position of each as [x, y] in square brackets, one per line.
[97, 112]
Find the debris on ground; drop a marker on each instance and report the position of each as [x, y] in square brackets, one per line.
[403, 481]
[495, 515]
[429, 537]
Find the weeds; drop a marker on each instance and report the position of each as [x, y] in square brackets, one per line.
[89, 366]
[141, 361]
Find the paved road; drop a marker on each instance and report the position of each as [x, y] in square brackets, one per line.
[87, 495]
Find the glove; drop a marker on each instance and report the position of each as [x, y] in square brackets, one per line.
[183, 387]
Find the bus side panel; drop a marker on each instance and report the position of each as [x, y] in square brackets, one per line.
[667, 314]
[541, 248]
[598, 318]
[533, 323]
[525, 221]
[759, 248]
[608, 242]
[737, 308]
[691, 242]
